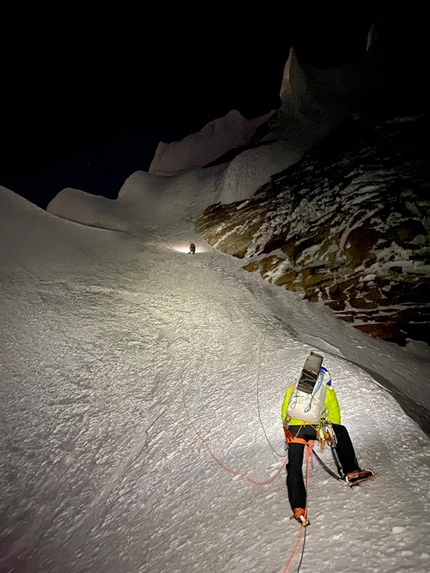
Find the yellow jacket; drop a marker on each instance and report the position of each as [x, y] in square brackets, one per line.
[331, 410]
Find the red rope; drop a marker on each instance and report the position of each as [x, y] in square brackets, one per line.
[207, 446]
[293, 553]
[309, 446]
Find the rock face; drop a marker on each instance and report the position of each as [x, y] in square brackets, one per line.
[349, 225]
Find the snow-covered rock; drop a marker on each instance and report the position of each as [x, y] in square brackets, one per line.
[348, 225]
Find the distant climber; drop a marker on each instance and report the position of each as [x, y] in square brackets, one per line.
[192, 249]
[325, 427]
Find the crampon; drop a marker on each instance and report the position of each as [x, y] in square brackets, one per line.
[354, 478]
[299, 515]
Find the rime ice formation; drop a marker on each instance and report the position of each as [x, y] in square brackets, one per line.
[211, 142]
[144, 197]
[250, 151]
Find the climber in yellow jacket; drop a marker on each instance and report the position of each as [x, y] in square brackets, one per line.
[304, 431]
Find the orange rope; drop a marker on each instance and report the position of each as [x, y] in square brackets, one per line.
[293, 554]
[309, 445]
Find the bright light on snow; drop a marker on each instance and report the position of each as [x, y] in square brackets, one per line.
[140, 411]
[186, 248]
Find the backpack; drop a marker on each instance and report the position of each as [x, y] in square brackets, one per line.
[307, 397]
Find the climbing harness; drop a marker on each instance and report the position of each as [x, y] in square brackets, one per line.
[325, 435]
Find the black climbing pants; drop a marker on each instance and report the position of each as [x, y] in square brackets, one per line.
[295, 484]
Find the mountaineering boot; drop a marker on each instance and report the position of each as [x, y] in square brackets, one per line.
[299, 515]
[357, 476]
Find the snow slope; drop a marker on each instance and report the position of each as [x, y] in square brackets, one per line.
[140, 407]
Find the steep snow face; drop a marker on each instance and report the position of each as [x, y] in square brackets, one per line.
[314, 101]
[211, 142]
[231, 158]
[348, 226]
[144, 196]
[246, 152]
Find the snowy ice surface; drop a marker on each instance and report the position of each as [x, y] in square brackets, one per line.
[196, 189]
[213, 140]
[141, 390]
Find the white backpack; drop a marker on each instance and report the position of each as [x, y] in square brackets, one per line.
[308, 404]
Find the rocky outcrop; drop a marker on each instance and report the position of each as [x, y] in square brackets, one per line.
[348, 226]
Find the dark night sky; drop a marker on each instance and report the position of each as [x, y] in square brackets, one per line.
[87, 98]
